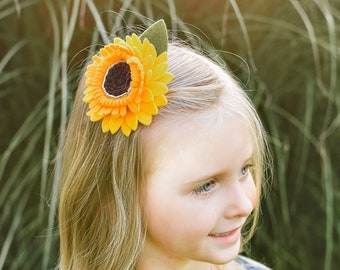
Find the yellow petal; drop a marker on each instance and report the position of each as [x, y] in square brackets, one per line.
[96, 108]
[161, 58]
[135, 60]
[133, 107]
[147, 96]
[104, 52]
[87, 98]
[165, 78]
[87, 91]
[158, 88]
[105, 124]
[115, 124]
[135, 41]
[126, 130]
[115, 111]
[89, 82]
[161, 100]
[148, 49]
[136, 51]
[149, 62]
[149, 108]
[122, 110]
[146, 44]
[119, 41]
[148, 77]
[160, 69]
[89, 73]
[94, 117]
[138, 99]
[96, 59]
[131, 120]
[93, 104]
[144, 118]
[91, 67]
[104, 111]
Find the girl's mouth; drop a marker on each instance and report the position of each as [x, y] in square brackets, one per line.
[228, 237]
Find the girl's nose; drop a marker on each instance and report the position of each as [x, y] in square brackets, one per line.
[241, 199]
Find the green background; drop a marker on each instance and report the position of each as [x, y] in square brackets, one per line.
[285, 53]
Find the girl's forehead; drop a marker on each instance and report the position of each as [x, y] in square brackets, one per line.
[188, 136]
[200, 122]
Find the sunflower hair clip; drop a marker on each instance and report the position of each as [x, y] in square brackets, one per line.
[127, 80]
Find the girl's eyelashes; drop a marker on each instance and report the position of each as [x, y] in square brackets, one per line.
[245, 170]
[205, 188]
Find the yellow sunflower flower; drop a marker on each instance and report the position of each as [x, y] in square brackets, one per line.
[126, 83]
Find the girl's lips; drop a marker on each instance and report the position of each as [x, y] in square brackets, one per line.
[228, 237]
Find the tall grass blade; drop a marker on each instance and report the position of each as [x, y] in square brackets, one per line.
[12, 52]
[16, 8]
[24, 131]
[98, 20]
[245, 34]
[54, 73]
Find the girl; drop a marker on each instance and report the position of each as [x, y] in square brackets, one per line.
[162, 164]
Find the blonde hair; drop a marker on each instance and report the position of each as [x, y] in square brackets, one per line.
[100, 211]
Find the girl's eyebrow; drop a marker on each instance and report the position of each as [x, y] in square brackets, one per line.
[214, 175]
[199, 181]
[250, 159]
[249, 156]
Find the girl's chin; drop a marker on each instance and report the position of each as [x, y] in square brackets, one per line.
[227, 255]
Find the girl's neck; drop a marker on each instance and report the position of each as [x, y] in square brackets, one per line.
[192, 265]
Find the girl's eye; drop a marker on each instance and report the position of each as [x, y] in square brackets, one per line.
[245, 170]
[205, 188]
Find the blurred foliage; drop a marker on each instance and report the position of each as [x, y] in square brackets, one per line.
[285, 53]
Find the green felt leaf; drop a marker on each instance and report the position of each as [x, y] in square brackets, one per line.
[157, 34]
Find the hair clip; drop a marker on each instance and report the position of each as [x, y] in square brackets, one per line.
[127, 81]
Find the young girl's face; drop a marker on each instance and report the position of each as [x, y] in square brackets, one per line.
[198, 191]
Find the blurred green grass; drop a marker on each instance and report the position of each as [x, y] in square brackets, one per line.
[286, 53]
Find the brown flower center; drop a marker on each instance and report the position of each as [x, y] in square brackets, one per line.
[117, 80]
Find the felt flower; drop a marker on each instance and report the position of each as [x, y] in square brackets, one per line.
[126, 83]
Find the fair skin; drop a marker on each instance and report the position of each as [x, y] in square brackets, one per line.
[198, 193]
